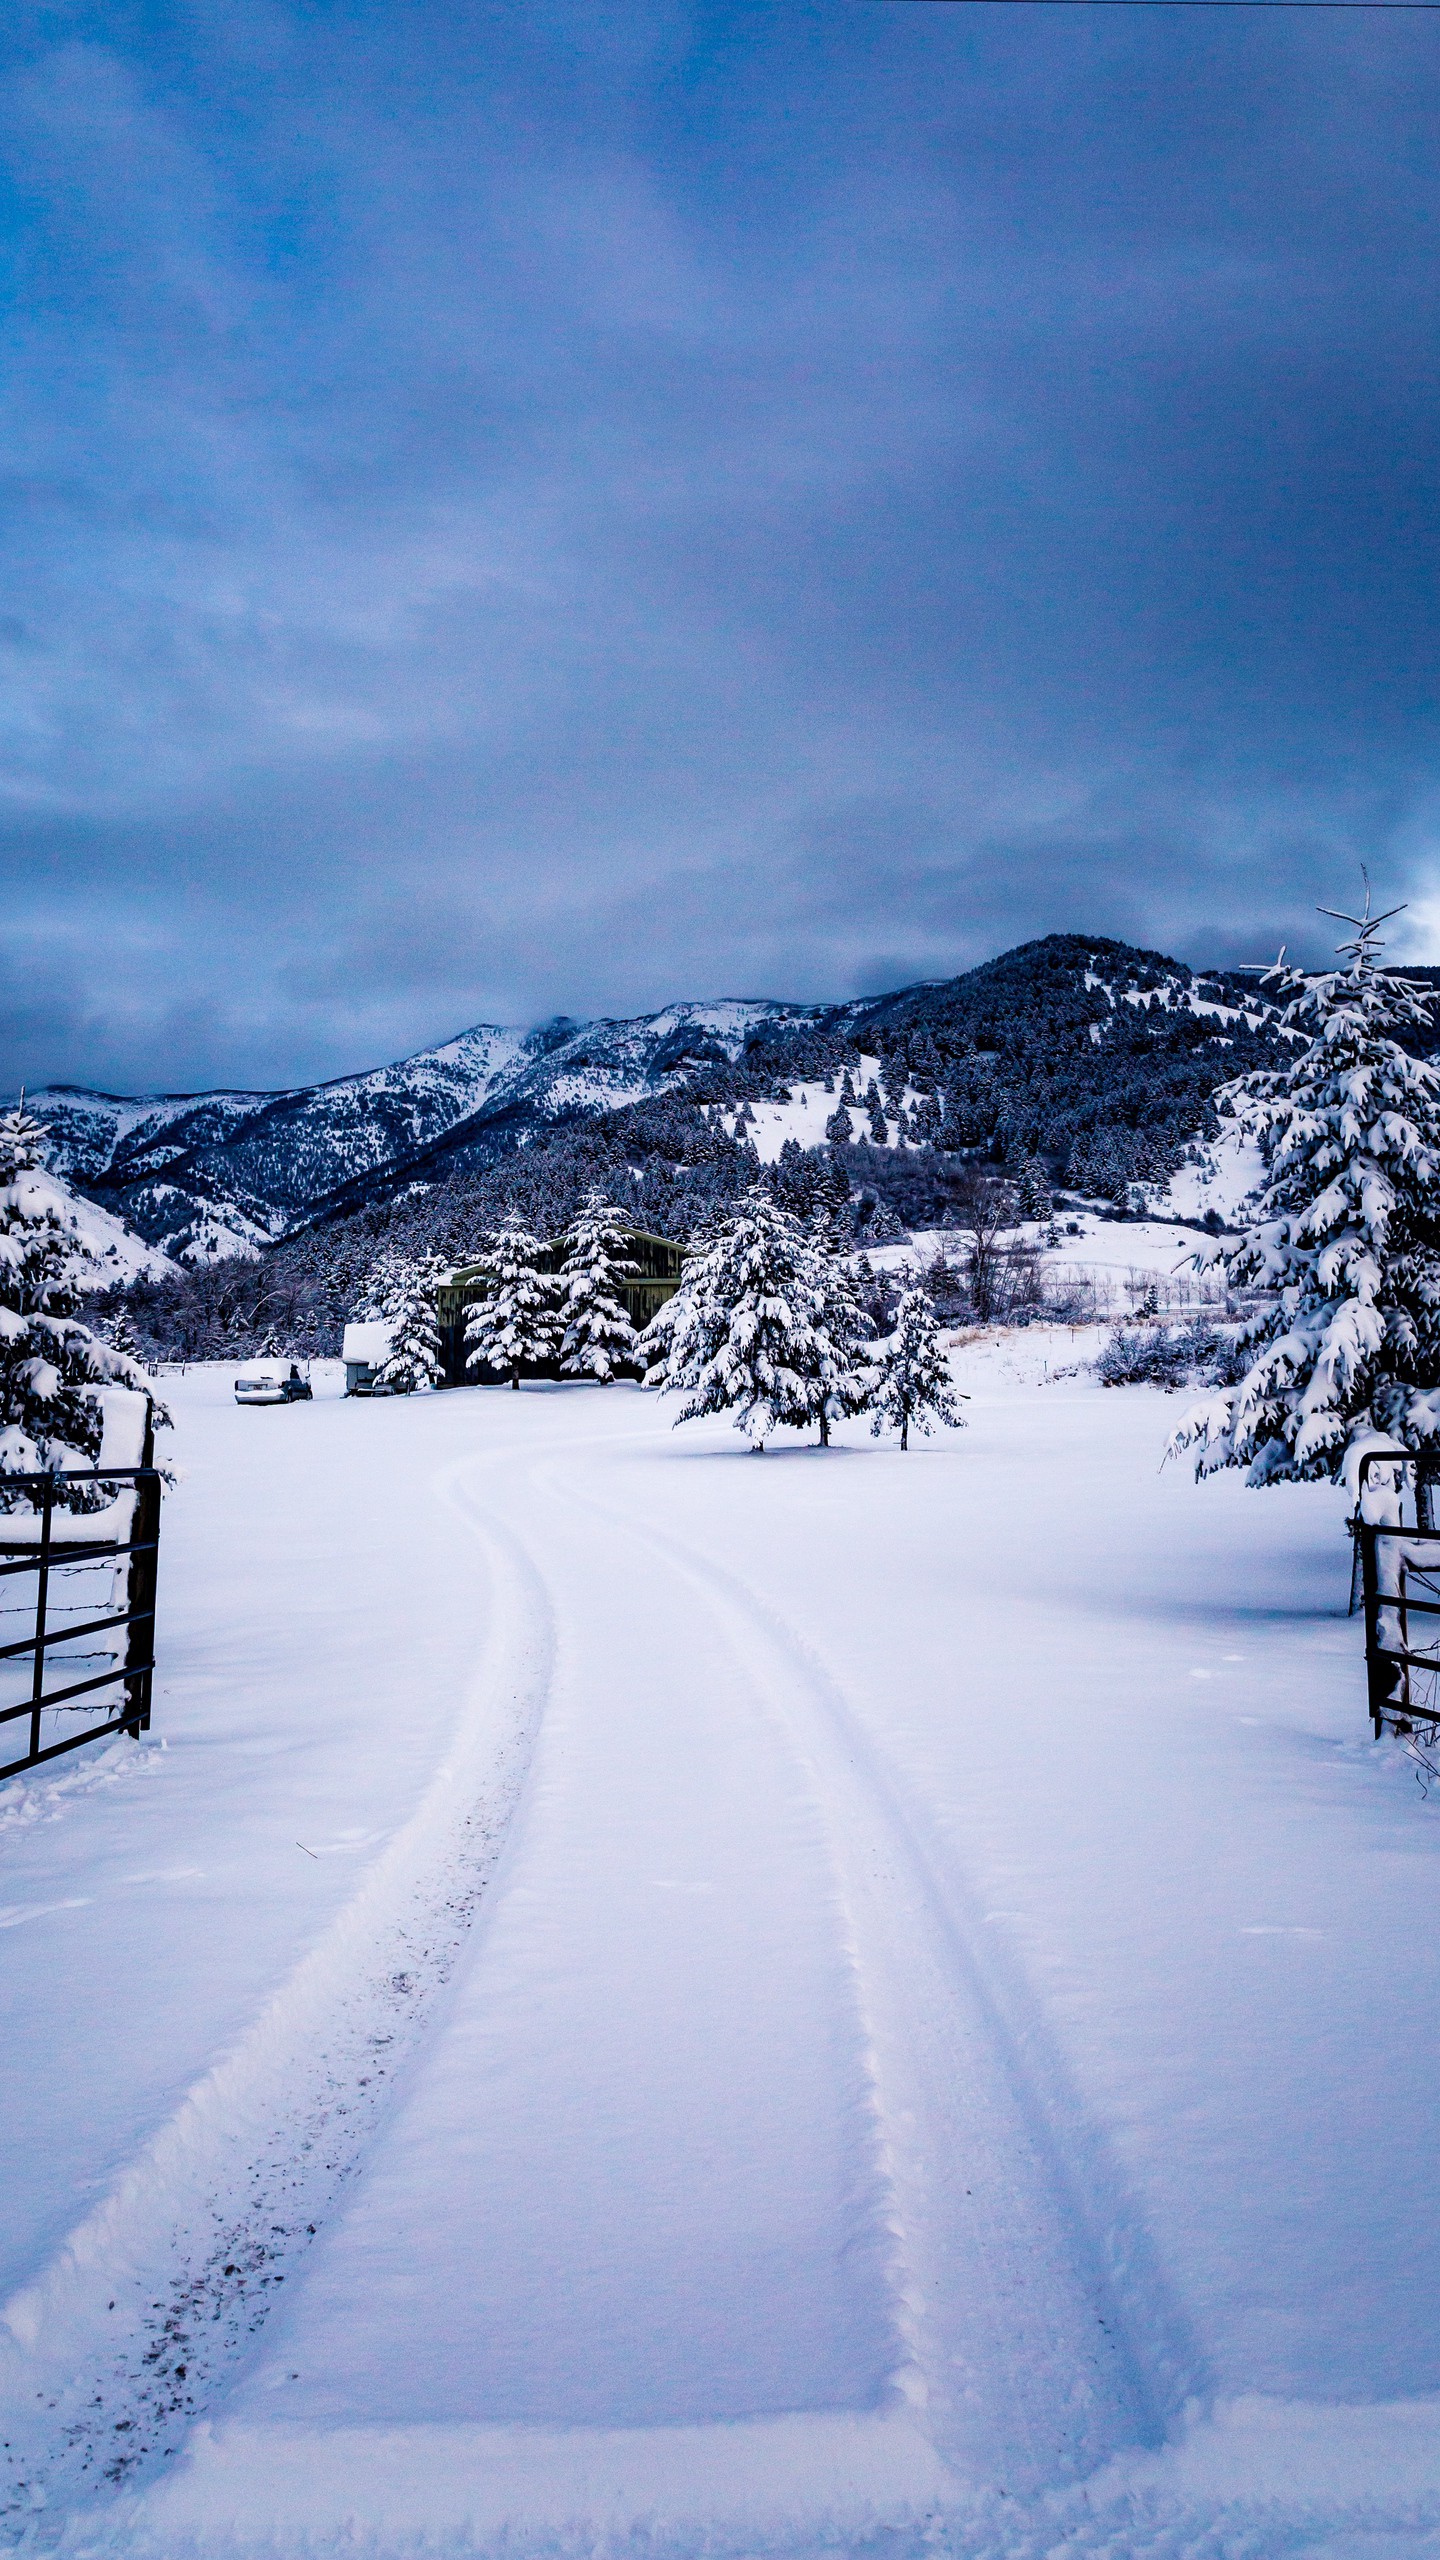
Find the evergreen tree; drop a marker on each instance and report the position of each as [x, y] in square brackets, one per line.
[411, 1310]
[749, 1329]
[913, 1383]
[1344, 1240]
[599, 1338]
[840, 1128]
[843, 1382]
[832, 1189]
[121, 1335]
[513, 1326]
[52, 1367]
[793, 1178]
[1034, 1190]
[881, 1224]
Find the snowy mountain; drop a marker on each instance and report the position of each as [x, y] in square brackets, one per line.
[204, 1174]
[1046, 1043]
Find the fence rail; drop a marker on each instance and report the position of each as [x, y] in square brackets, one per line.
[56, 1551]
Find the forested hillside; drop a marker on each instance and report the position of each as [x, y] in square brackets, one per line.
[1088, 1061]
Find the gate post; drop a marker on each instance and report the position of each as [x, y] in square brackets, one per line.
[140, 1590]
[1374, 1664]
[42, 1596]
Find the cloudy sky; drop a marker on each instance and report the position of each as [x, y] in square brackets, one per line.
[522, 506]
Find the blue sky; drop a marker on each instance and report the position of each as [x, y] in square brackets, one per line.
[518, 509]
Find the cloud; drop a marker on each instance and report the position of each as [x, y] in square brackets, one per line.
[511, 515]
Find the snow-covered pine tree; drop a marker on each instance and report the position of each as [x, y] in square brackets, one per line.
[792, 1178]
[913, 1384]
[382, 1280]
[844, 1380]
[882, 1226]
[1034, 1190]
[746, 1331]
[52, 1367]
[121, 1336]
[514, 1325]
[1344, 1240]
[411, 1309]
[599, 1339]
[840, 1128]
[832, 1190]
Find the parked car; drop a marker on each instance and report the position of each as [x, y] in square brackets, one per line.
[271, 1382]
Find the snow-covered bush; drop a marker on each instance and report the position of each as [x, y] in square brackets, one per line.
[1172, 1356]
[52, 1367]
[599, 1339]
[514, 1325]
[913, 1385]
[760, 1326]
[1344, 1241]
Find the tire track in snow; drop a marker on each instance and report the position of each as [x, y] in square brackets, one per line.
[109, 2357]
[1044, 2338]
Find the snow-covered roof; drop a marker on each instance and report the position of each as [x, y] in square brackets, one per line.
[369, 1341]
[275, 1367]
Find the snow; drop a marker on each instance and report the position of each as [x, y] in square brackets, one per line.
[1226, 1171]
[368, 1342]
[804, 1116]
[1118, 1261]
[115, 1253]
[1169, 993]
[1111, 1262]
[832, 2002]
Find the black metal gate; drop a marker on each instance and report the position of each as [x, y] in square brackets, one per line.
[1399, 1576]
[54, 1564]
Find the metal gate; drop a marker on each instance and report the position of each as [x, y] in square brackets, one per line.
[77, 1578]
[1399, 1576]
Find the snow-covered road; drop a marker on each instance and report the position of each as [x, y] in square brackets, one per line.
[810, 1998]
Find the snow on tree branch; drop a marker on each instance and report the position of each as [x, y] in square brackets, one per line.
[1343, 1249]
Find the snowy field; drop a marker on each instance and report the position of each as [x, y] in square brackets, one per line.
[645, 2001]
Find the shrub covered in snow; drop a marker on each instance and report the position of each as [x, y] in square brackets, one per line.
[1199, 1354]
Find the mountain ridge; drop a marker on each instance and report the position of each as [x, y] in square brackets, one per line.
[1042, 1044]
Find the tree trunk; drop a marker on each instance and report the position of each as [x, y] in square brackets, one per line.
[905, 1431]
[824, 1428]
[515, 1382]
